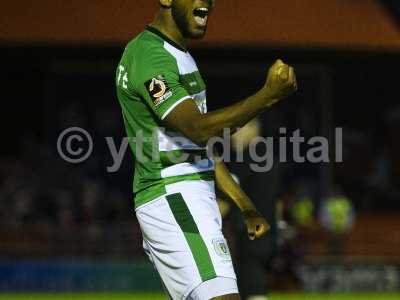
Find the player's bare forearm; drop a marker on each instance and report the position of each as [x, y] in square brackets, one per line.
[232, 117]
[256, 224]
[230, 187]
[281, 82]
[200, 128]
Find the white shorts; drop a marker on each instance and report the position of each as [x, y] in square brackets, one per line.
[182, 235]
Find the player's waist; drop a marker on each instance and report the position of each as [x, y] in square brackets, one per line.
[175, 157]
[159, 187]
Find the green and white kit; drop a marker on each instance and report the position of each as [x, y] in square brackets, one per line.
[174, 178]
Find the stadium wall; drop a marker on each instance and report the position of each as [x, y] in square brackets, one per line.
[333, 24]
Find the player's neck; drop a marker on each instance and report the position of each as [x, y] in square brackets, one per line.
[165, 23]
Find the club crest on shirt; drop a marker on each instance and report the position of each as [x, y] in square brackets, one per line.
[158, 89]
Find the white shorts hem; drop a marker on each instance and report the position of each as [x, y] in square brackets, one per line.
[212, 288]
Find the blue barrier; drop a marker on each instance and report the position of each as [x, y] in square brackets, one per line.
[78, 276]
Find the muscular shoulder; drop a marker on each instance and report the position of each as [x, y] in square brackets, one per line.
[147, 53]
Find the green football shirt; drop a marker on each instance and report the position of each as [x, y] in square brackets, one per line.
[153, 77]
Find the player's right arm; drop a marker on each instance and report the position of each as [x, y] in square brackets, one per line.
[186, 118]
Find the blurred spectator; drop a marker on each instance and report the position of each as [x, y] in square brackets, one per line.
[337, 216]
[295, 212]
[254, 258]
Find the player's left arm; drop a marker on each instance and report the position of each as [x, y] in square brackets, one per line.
[256, 224]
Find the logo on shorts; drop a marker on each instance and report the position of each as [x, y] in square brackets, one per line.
[158, 89]
[221, 248]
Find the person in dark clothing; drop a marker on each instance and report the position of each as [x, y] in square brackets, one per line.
[254, 259]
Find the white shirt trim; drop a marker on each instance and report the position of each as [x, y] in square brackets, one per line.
[174, 105]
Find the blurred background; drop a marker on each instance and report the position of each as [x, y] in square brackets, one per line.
[335, 226]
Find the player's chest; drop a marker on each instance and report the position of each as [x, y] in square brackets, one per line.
[192, 81]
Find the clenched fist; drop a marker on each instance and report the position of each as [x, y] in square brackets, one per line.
[281, 82]
[256, 224]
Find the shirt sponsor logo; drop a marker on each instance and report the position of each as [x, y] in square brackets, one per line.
[158, 89]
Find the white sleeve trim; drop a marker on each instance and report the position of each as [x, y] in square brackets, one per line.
[174, 105]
